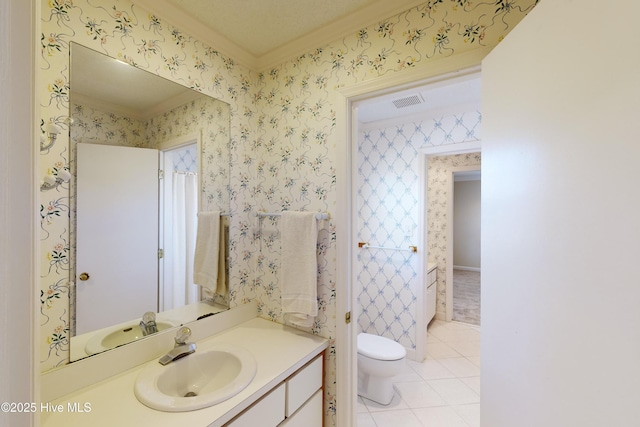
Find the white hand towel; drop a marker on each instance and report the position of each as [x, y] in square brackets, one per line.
[299, 270]
[206, 257]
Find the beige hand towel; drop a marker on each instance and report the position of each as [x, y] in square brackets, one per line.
[207, 253]
[222, 288]
[299, 270]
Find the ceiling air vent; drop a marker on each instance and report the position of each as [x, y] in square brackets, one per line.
[408, 101]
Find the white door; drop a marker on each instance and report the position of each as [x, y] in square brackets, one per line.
[117, 235]
[560, 219]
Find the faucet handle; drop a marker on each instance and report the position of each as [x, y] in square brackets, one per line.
[149, 316]
[182, 335]
[148, 323]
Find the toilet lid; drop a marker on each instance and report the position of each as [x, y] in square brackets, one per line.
[380, 348]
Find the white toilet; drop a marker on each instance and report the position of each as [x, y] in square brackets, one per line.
[379, 359]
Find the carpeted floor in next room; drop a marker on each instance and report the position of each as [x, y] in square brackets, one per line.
[466, 296]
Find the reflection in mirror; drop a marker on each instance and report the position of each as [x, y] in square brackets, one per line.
[149, 155]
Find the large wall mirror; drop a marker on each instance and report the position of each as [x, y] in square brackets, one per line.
[149, 155]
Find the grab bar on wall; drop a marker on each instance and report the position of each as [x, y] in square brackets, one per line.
[365, 245]
[319, 215]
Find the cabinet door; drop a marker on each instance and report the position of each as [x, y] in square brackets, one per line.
[431, 302]
[303, 385]
[267, 412]
[309, 415]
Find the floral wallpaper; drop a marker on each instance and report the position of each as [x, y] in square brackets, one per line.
[211, 117]
[388, 206]
[205, 114]
[283, 140]
[91, 124]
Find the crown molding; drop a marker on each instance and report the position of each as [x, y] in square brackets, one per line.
[349, 24]
[176, 17]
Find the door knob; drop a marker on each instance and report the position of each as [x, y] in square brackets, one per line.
[84, 276]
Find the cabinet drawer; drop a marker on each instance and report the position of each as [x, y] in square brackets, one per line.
[302, 385]
[267, 412]
[309, 415]
[431, 302]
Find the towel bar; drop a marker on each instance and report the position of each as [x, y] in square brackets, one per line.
[365, 245]
[319, 215]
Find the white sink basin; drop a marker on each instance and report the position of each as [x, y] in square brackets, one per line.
[197, 381]
[112, 338]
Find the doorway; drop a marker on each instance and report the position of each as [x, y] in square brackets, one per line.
[179, 200]
[347, 113]
[390, 200]
[466, 252]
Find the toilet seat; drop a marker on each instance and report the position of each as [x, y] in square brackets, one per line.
[379, 348]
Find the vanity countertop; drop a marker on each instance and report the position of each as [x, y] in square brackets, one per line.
[279, 351]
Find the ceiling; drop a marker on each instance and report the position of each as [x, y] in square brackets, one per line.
[260, 26]
[264, 33]
[449, 96]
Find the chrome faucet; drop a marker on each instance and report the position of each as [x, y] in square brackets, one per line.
[148, 323]
[182, 347]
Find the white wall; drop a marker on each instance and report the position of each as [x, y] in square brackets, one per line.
[466, 224]
[17, 209]
[561, 230]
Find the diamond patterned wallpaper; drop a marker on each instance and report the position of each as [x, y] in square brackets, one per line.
[186, 159]
[388, 212]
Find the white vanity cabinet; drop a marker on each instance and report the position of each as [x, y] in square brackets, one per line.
[295, 402]
[286, 390]
[431, 291]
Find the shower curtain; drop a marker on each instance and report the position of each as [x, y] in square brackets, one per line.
[184, 217]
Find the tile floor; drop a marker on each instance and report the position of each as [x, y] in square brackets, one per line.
[443, 391]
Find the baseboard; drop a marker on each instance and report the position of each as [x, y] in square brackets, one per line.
[462, 267]
[413, 355]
